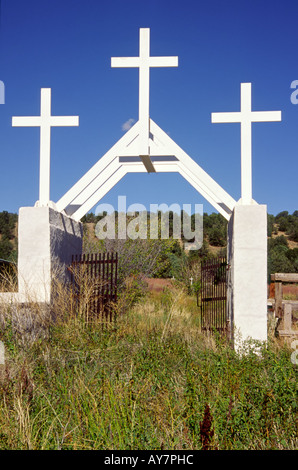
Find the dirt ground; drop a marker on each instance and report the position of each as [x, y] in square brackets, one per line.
[288, 291]
[158, 285]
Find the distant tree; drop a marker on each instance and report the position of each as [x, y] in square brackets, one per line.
[278, 260]
[281, 214]
[292, 231]
[281, 240]
[201, 254]
[89, 218]
[280, 257]
[7, 224]
[217, 237]
[292, 255]
[175, 266]
[270, 224]
[284, 223]
[7, 229]
[6, 248]
[215, 229]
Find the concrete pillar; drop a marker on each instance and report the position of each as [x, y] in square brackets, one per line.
[47, 239]
[247, 274]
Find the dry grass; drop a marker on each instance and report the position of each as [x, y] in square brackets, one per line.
[8, 279]
[143, 382]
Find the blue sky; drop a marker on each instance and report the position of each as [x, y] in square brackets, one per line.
[67, 45]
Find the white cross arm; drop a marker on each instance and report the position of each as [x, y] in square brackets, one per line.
[166, 61]
[60, 121]
[128, 62]
[255, 116]
[125, 62]
[35, 121]
[263, 116]
[225, 117]
[26, 121]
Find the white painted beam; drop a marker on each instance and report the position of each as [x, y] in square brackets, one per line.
[100, 193]
[97, 168]
[207, 183]
[108, 170]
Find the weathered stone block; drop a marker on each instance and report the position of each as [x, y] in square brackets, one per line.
[47, 240]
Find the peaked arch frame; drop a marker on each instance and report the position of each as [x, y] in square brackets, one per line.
[123, 158]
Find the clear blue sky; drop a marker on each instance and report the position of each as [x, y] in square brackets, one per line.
[67, 45]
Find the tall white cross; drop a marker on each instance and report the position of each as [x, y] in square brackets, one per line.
[245, 117]
[45, 121]
[144, 62]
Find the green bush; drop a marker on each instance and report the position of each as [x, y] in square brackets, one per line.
[280, 257]
[7, 227]
[6, 248]
[292, 231]
[217, 237]
[283, 224]
[270, 224]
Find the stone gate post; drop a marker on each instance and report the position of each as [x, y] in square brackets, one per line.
[47, 239]
[247, 274]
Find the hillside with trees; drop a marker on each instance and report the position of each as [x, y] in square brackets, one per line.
[283, 242]
[167, 258]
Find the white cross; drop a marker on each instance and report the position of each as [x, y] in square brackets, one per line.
[144, 62]
[246, 116]
[45, 121]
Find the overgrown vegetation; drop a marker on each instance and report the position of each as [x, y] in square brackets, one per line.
[160, 258]
[149, 381]
[282, 240]
[8, 246]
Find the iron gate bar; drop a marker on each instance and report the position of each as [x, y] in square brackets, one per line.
[102, 268]
[213, 294]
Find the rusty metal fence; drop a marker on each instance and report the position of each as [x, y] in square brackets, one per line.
[94, 281]
[214, 295]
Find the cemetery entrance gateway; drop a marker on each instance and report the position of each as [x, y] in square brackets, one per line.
[156, 152]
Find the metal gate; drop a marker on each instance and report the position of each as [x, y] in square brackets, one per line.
[214, 295]
[94, 280]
